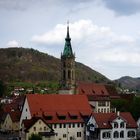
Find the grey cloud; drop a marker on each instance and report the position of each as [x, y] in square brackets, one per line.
[14, 4]
[123, 7]
[25, 4]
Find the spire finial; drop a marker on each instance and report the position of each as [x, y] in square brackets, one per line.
[68, 36]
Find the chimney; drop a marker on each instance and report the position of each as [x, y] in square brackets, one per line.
[118, 113]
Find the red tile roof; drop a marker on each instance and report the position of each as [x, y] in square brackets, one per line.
[104, 119]
[95, 90]
[59, 105]
[92, 89]
[15, 115]
[29, 123]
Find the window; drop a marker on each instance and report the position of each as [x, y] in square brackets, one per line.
[64, 125]
[69, 74]
[73, 125]
[40, 128]
[26, 109]
[116, 134]
[78, 134]
[34, 128]
[45, 128]
[64, 74]
[106, 135]
[102, 110]
[122, 125]
[39, 122]
[131, 134]
[122, 134]
[60, 125]
[115, 125]
[78, 124]
[69, 125]
[108, 110]
[64, 135]
[82, 125]
[55, 125]
[101, 103]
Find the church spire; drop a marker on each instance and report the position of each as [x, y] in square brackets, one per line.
[68, 65]
[67, 52]
[68, 36]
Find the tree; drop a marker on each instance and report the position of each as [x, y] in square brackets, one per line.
[2, 88]
[35, 137]
[134, 107]
[120, 104]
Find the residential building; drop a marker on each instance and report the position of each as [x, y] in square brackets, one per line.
[66, 115]
[99, 96]
[111, 126]
[11, 121]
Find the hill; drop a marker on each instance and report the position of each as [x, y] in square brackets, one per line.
[29, 65]
[128, 82]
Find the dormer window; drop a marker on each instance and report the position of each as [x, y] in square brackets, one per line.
[93, 91]
[115, 125]
[82, 91]
[48, 117]
[122, 125]
[61, 115]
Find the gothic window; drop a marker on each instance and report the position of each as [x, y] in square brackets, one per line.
[116, 134]
[64, 74]
[131, 134]
[122, 134]
[64, 64]
[69, 74]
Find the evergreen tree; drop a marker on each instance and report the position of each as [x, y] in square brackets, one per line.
[35, 137]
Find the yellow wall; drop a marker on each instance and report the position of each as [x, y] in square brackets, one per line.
[8, 124]
[40, 127]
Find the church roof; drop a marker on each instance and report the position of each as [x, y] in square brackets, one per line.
[67, 52]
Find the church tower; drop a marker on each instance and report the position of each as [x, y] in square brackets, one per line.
[68, 66]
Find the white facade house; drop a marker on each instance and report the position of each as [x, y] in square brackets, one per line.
[111, 126]
[64, 114]
[138, 129]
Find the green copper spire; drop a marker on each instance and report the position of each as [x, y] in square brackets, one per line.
[67, 48]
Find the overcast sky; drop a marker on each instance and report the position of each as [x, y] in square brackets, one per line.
[105, 33]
